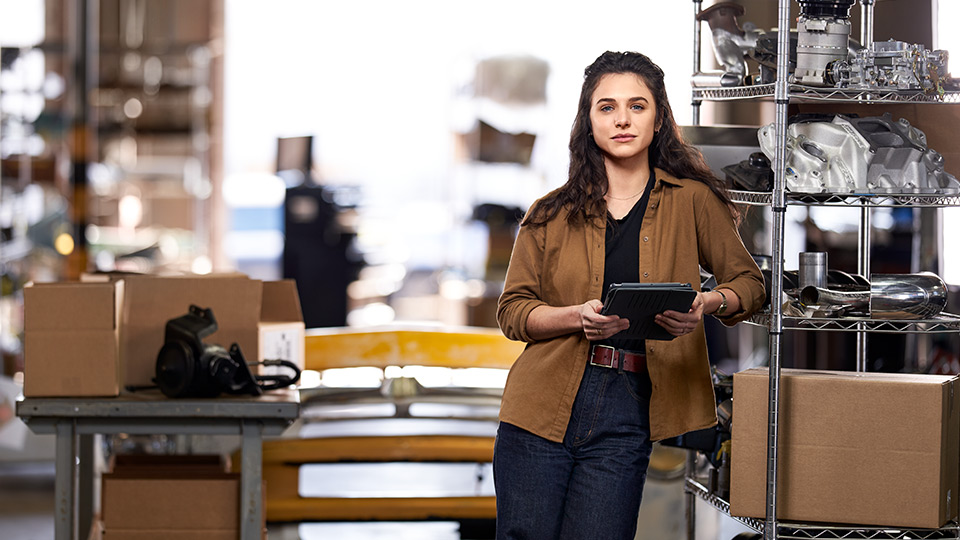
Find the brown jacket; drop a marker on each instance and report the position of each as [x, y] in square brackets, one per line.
[559, 264]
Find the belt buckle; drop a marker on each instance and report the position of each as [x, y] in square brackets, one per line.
[613, 356]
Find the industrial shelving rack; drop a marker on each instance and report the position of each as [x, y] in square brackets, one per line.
[783, 93]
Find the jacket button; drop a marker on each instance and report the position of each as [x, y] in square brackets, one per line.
[645, 274]
[646, 239]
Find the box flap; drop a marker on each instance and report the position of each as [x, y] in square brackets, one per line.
[280, 302]
[70, 306]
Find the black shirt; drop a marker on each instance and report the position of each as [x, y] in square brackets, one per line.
[622, 260]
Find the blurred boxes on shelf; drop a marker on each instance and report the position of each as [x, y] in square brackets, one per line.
[71, 339]
[857, 448]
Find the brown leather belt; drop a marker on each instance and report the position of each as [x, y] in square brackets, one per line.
[606, 356]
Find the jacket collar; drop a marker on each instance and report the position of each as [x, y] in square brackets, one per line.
[665, 177]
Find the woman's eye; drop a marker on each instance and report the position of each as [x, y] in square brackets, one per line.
[637, 107]
[606, 108]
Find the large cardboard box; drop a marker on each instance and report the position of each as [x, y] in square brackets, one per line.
[182, 497]
[71, 339]
[146, 495]
[150, 301]
[858, 448]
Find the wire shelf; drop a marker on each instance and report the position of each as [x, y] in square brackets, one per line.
[945, 322]
[803, 531]
[810, 93]
[913, 200]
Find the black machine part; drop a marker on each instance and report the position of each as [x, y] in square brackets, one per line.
[838, 9]
[188, 367]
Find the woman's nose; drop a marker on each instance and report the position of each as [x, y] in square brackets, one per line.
[622, 121]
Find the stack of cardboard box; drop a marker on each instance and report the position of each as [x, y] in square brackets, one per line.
[97, 338]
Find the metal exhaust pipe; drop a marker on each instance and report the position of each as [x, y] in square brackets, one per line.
[891, 296]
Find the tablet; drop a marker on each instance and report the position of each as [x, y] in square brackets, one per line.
[640, 302]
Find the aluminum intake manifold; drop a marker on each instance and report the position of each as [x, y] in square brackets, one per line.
[859, 155]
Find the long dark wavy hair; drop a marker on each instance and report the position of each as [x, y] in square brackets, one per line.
[587, 181]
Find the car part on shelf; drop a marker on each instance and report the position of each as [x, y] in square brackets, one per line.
[892, 65]
[765, 53]
[859, 155]
[823, 33]
[731, 44]
[890, 296]
[751, 174]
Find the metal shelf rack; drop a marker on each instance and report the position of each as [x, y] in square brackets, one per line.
[804, 531]
[852, 200]
[800, 93]
[782, 94]
[944, 323]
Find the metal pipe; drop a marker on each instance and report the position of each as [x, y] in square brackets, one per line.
[866, 24]
[891, 296]
[708, 79]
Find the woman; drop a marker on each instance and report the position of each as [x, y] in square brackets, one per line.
[581, 406]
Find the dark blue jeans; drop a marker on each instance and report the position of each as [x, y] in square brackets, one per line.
[590, 485]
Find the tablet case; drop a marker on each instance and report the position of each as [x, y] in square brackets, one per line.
[640, 302]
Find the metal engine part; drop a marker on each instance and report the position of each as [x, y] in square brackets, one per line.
[859, 155]
[891, 296]
[751, 174]
[731, 44]
[823, 33]
[892, 65]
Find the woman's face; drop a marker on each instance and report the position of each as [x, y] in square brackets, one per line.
[624, 116]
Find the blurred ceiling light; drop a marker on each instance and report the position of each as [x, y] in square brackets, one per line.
[63, 244]
[374, 314]
[130, 211]
[202, 265]
[22, 23]
[133, 108]
[249, 190]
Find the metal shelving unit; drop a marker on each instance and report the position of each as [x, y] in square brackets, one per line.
[805, 531]
[782, 94]
[873, 200]
[944, 323]
[800, 93]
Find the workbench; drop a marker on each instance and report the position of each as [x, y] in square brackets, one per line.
[149, 412]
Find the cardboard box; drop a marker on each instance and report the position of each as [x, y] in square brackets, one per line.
[150, 301]
[181, 497]
[166, 500]
[860, 448]
[71, 339]
[171, 492]
[282, 333]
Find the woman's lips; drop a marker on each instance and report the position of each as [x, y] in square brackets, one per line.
[624, 137]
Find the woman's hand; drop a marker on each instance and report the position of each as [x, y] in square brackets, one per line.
[597, 326]
[678, 323]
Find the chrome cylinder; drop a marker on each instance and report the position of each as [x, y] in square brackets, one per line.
[907, 296]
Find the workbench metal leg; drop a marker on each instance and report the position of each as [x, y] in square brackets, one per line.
[85, 500]
[65, 485]
[251, 484]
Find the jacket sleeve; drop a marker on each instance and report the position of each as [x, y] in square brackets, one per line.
[723, 254]
[522, 286]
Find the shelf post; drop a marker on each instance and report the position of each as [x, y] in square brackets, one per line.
[863, 268]
[695, 102]
[778, 202]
